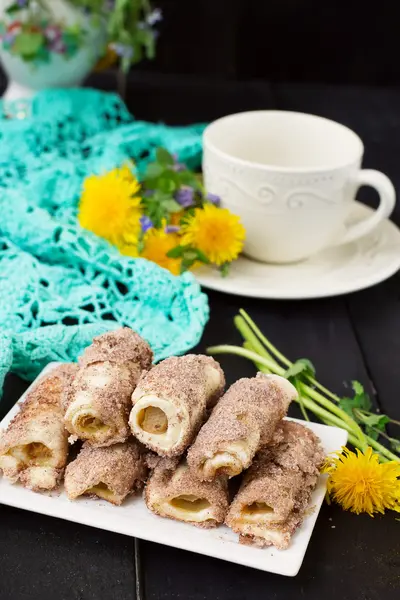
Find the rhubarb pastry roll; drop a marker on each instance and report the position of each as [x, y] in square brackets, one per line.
[174, 492]
[98, 402]
[171, 401]
[34, 448]
[273, 497]
[110, 473]
[244, 420]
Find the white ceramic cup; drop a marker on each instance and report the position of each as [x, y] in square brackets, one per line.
[292, 178]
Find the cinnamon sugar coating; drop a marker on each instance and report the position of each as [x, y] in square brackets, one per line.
[100, 394]
[276, 490]
[172, 480]
[295, 447]
[247, 414]
[120, 467]
[182, 379]
[187, 386]
[34, 447]
[119, 346]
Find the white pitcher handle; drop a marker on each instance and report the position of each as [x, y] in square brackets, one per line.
[387, 195]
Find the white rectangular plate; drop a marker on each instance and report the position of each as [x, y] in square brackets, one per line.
[135, 520]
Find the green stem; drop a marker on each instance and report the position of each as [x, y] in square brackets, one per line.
[268, 364]
[253, 356]
[280, 356]
[248, 335]
[302, 407]
[264, 340]
[337, 411]
[259, 366]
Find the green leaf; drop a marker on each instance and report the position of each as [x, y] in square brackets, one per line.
[224, 269]
[186, 264]
[153, 171]
[377, 421]
[176, 252]
[358, 388]
[164, 157]
[28, 44]
[395, 445]
[373, 433]
[303, 367]
[188, 178]
[13, 9]
[203, 258]
[190, 255]
[360, 400]
[167, 184]
[172, 205]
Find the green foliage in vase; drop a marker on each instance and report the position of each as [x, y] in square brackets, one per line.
[32, 30]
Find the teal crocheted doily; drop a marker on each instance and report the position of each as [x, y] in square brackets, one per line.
[61, 285]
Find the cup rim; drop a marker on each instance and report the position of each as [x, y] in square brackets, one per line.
[276, 168]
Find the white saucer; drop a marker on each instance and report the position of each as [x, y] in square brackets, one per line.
[334, 271]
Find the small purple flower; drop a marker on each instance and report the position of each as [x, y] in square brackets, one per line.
[58, 46]
[22, 3]
[171, 229]
[185, 196]
[214, 199]
[8, 39]
[146, 223]
[122, 50]
[154, 17]
[52, 33]
[178, 166]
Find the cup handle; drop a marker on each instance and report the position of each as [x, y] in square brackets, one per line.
[387, 195]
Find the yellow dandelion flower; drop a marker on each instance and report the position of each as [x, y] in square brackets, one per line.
[110, 207]
[360, 483]
[156, 245]
[216, 232]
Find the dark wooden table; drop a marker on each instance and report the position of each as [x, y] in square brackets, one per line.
[352, 337]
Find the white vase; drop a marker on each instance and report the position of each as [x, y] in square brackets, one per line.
[26, 78]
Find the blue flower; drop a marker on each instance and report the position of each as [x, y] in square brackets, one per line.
[185, 196]
[154, 17]
[214, 199]
[146, 223]
[171, 229]
[122, 50]
[22, 3]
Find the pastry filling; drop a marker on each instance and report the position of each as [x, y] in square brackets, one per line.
[157, 422]
[153, 420]
[189, 503]
[258, 513]
[90, 424]
[231, 458]
[102, 491]
[257, 508]
[34, 453]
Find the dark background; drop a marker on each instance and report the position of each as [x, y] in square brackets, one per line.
[341, 41]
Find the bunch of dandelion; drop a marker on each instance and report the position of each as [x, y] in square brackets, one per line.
[110, 207]
[178, 229]
[216, 232]
[360, 483]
